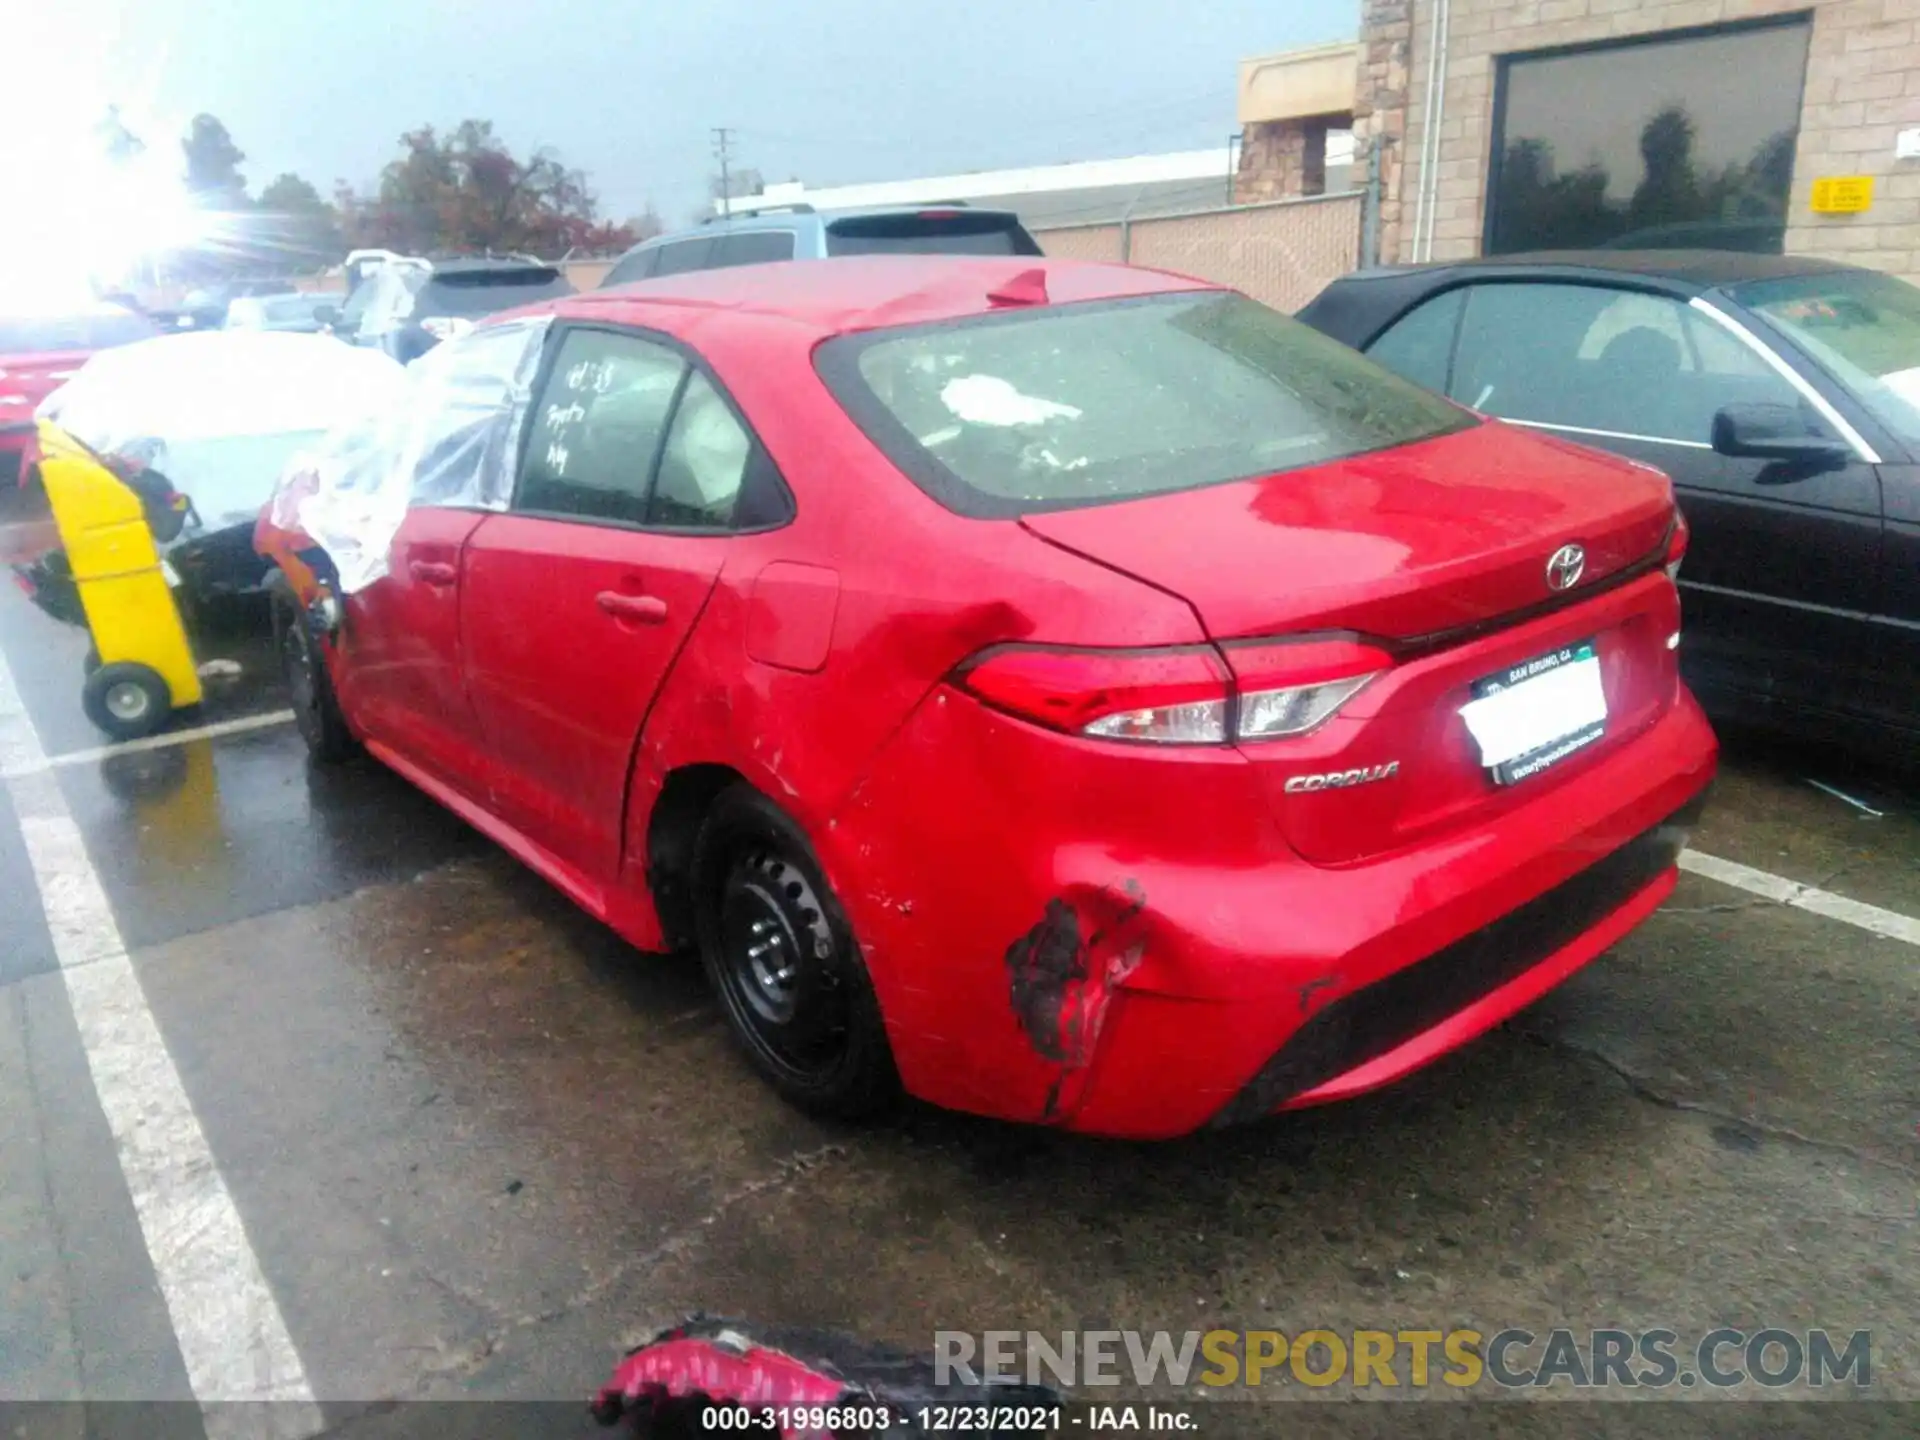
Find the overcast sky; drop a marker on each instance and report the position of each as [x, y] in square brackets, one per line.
[830, 91]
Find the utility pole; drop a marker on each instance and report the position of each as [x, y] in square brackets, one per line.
[721, 137]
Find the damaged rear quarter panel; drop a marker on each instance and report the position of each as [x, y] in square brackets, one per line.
[1028, 906]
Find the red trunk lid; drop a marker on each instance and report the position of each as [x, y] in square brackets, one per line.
[1403, 546]
[1405, 542]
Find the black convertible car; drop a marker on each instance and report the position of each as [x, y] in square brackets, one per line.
[1781, 393]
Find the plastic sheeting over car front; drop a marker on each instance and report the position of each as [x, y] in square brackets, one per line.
[448, 436]
[220, 414]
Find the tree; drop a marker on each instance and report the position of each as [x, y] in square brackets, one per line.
[1669, 192]
[296, 224]
[464, 191]
[213, 165]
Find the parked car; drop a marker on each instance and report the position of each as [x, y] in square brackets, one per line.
[407, 308]
[39, 352]
[799, 232]
[293, 310]
[1781, 393]
[1075, 691]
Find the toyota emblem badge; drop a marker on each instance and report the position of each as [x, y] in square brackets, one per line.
[1566, 567]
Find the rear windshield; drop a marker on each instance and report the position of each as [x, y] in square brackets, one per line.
[45, 335]
[932, 233]
[1053, 408]
[474, 293]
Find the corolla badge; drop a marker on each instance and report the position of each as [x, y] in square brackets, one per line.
[1566, 566]
[1341, 779]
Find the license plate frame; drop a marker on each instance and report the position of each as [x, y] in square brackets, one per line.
[1576, 667]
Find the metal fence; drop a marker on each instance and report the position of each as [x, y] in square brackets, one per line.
[1282, 253]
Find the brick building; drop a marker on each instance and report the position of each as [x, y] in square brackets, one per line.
[1524, 124]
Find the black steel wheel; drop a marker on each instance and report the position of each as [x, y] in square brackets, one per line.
[782, 959]
[316, 711]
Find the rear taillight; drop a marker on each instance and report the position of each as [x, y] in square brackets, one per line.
[1289, 687]
[1176, 697]
[1677, 538]
[1186, 696]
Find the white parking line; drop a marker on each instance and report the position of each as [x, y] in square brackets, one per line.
[230, 1331]
[152, 742]
[1811, 898]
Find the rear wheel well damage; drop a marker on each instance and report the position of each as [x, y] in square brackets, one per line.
[672, 829]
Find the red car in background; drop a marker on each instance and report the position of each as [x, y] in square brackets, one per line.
[1076, 693]
[40, 352]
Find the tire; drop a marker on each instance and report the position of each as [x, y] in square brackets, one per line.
[316, 709]
[92, 662]
[794, 990]
[127, 700]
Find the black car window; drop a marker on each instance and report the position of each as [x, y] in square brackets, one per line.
[753, 247]
[1589, 357]
[476, 293]
[930, 232]
[683, 255]
[595, 428]
[637, 266]
[1419, 345]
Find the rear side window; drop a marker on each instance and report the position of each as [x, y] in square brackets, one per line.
[1420, 345]
[753, 247]
[931, 232]
[626, 431]
[684, 255]
[637, 266]
[597, 426]
[1057, 407]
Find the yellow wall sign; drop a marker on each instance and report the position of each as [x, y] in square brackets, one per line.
[1842, 194]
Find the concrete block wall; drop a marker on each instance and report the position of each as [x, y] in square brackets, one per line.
[1862, 87]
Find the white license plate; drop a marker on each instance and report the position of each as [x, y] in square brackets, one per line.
[1535, 714]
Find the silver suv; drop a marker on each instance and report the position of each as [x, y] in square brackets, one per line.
[799, 232]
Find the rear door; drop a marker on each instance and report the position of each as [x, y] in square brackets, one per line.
[1784, 560]
[634, 473]
[1893, 695]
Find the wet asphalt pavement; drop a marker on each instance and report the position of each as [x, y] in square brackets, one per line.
[479, 1146]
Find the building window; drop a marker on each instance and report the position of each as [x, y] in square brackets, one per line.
[1677, 142]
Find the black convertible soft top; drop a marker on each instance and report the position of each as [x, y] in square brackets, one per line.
[1355, 308]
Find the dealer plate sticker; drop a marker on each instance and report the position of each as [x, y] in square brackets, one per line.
[1537, 713]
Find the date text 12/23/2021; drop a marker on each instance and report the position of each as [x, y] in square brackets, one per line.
[998, 1420]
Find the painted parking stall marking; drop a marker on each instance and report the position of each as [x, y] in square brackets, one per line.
[1810, 898]
[165, 740]
[232, 1336]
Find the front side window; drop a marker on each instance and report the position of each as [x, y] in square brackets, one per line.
[596, 427]
[1863, 327]
[1084, 404]
[1655, 145]
[1586, 357]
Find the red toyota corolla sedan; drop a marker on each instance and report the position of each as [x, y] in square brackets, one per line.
[1073, 693]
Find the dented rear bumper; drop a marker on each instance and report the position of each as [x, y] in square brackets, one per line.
[1121, 943]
